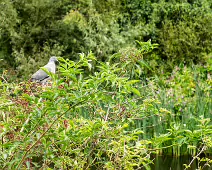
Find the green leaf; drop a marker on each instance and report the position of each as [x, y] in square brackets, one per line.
[134, 90]
[132, 82]
[143, 63]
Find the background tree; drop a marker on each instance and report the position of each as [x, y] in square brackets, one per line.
[31, 30]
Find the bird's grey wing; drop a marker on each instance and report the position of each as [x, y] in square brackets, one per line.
[40, 74]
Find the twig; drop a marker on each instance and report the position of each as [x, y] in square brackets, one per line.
[35, 126]
[6, 104]
[106, 117]
[195, 157]
[26, 122]
[206, 163]
[24, 156]
[2, 142]
[4, 79]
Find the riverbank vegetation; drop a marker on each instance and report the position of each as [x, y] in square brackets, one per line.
[134, 80]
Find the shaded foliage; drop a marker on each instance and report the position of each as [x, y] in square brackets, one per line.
[181, 28]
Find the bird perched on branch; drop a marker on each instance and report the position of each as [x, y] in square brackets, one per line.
[41, 76]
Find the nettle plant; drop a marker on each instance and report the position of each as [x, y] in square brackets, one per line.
[80, 121]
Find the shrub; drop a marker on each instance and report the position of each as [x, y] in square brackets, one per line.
[105, 118]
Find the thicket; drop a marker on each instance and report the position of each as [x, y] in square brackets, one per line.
[108, 118]
[143, 88]
[32, 30]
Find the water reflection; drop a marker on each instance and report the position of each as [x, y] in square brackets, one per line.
[174, 163]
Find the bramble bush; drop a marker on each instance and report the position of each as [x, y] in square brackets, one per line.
[108, 118]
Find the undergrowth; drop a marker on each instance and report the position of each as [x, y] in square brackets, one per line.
[107, 118]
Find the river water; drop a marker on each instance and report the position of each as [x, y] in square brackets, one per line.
[175, 163]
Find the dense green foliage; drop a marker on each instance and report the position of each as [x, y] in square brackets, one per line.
[143, 88]
[106, 119]
[27, 27]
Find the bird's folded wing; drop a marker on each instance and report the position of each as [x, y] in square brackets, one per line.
[40, 74]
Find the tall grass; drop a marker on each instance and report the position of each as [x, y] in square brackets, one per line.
[180, 102]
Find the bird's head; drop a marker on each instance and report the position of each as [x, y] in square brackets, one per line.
[54, 59]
